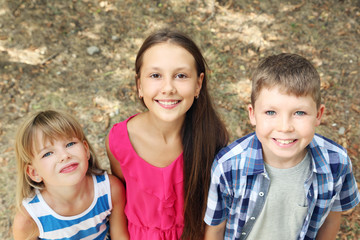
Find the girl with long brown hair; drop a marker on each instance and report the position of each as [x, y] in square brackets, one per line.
[164, 154]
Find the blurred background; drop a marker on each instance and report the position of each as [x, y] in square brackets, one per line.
[78, 56]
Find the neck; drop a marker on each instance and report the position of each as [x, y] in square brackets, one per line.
[68, 194]
[284, 163]
[166, 130]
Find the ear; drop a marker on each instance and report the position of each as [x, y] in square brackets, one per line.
[87, 149]
[199, 84]
[319, 114]
[251, 111]
[32, 173]
[138, 85]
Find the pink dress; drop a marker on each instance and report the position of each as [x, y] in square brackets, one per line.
[154, 196]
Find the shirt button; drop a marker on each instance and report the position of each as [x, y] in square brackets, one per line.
[252, 218]
[261, 194]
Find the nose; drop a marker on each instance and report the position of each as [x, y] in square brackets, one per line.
[168, 86]
[64, 155]
[285, 124]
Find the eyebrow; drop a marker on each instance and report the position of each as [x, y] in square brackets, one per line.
[156, 68]
[275, 106]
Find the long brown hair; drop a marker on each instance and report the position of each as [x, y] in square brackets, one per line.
[203, 135]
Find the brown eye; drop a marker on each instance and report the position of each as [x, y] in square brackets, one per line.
[180, 75]
[155, 75]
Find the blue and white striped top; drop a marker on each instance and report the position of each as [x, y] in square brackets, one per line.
[93, 223]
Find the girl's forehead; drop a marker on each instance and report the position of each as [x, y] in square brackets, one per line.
[166, 48]
[43, 138]
[40, 139]
[168, 55]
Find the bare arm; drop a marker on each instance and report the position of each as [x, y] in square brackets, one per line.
[118, 222]
[330, 227]
[114, 164]
[215, 232]
[24, 226]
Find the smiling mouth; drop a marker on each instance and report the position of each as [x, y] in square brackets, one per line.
[69, 168]
[285, 141]
[168, 103]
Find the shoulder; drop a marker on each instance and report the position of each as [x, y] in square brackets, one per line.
[117, 189]
[119, 131]
[238, 148]
[330, 157]
[327, 144]
[115, 182]
[117, 134]
[234, 157]
[330, 151]
[24, 226]
[119, 126]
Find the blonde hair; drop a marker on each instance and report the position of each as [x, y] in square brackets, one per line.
[53, 125]
[292, 73]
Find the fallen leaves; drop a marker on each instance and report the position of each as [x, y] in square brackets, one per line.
[28, 56]
[355, 108]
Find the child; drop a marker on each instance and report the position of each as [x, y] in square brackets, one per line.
[164, 154]
[61, 191]
[283, 181]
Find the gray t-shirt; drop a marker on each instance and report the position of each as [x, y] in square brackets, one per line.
[286, 204]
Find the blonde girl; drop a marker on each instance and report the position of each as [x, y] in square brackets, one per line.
[61, 191]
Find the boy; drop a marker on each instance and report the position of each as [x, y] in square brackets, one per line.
[283, 181]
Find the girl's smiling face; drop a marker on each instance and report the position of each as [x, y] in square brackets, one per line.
[168, 81]
[60, 162]
[285, 125]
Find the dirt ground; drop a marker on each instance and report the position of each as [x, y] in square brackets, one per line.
[45, 62]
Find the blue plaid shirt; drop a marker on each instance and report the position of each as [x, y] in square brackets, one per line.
[239, 186]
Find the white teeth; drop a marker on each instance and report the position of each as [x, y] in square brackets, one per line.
[284, 141]
[168, 103]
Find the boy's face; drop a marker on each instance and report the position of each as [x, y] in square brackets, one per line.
[285, 125]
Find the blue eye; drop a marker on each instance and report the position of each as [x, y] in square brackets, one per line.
[270, 113]
[300, 113]
[47, 154]
[70, 144]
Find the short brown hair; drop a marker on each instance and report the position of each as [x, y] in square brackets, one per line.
[292, 73]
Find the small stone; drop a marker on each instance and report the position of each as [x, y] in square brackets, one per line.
[341, 130]
[115, 38]
[92, 50]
